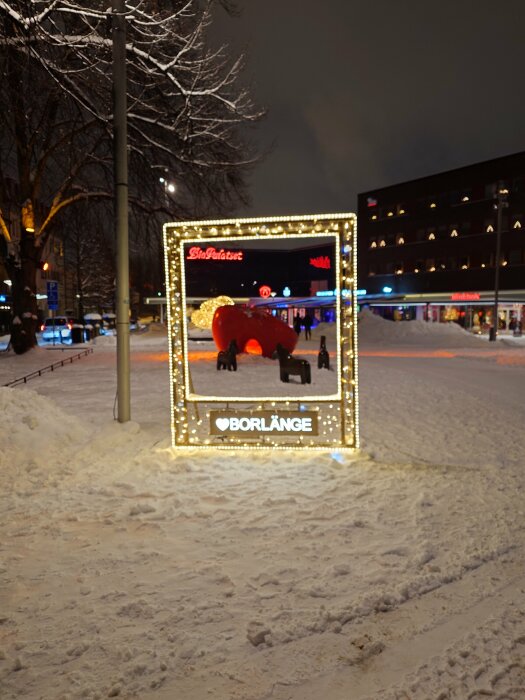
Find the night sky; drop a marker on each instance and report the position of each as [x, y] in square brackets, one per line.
[362, 95]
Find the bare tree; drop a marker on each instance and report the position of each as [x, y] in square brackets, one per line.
[89, 259]
[186, 107]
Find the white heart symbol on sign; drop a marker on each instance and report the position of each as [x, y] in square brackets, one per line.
[222, 423]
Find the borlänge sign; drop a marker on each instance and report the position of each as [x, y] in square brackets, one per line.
[252, 424]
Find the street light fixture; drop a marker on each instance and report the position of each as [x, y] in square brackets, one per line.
[500, 205]
[168, 186]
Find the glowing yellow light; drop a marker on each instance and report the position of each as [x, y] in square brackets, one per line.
[465, 199]
[203, 317]
[433, 205]
[431, 236]
[517, 224]
[28, 216]
[490, 229]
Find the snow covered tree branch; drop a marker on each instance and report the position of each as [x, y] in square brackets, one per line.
[187, 108]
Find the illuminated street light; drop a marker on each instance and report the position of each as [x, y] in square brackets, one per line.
[500, 205]
[169, 188]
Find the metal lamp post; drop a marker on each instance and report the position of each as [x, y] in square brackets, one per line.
[500, 205]
[121, 208]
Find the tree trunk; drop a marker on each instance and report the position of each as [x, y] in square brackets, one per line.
[24, 307]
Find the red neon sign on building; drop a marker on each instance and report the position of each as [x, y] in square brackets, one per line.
[322, 261]
[465, 296]
[211, 253]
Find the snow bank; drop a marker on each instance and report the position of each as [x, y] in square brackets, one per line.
[36, 438]
[374, 329]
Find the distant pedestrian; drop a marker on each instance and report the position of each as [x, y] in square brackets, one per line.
[297, 324]
[307, 322]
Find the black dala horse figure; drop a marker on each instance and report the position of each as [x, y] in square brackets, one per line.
[323, 358]
[227, 359]
[292, 365]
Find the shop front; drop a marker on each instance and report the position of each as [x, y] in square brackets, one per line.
[471, 310]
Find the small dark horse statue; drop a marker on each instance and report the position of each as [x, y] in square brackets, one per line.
[227, 359]
[323, 359]
[292, 365]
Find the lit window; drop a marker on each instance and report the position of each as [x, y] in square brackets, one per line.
[433, 205]
[453, 233]
[400, 240]
[431, 236]
[517, 224]
[382, 243]
[373, 244]
[490, 228]
[465, 199]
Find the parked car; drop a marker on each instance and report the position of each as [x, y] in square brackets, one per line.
[57, 329]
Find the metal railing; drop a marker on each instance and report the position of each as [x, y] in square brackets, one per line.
[49, 368]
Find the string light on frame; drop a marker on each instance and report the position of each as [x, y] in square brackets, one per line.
[336, 414]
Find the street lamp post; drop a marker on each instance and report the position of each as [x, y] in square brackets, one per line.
[500, 205]
[121, 208]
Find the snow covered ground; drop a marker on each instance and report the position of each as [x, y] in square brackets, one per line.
[128, 571]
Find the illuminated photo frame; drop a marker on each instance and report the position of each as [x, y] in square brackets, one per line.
[291, 419]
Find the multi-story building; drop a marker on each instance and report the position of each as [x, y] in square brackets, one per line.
[427, 248]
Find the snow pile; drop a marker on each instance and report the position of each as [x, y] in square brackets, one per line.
[375, 330]
[37, 439]
[107, 339]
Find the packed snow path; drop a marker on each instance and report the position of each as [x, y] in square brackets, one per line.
[126, 571]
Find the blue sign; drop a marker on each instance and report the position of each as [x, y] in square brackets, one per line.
[52, 296]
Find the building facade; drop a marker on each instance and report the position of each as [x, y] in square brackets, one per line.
[427, 248]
